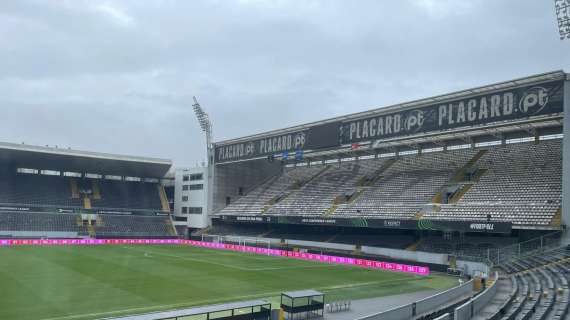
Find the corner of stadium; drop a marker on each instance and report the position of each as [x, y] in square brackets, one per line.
[448, 207]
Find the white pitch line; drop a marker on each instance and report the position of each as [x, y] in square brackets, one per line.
[232, 266]
[158, 308]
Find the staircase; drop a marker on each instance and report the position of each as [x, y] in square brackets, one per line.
[296, 187]
[91, 230]
[87, 203]
[74, 189]
[460, 174]
[171, 228]
[163, 198]
[557, 219]
[414, 246]
[362, 182]
[96, 190]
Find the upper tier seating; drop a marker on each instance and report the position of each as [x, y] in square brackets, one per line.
[128, 194]
[317, 195]
[55, 191]
[522, 184]
[36, 190]
[519, 183]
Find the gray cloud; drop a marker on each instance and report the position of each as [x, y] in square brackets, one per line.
[118, 76]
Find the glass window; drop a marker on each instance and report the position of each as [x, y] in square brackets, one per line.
[184, 209]
[184, 198]
[196, 177]
[185, 178]
[196, 186]
[195, 210]
[185, 187]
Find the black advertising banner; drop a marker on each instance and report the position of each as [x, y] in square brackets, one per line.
[507, 105]
[519, 103]
[422, 224]
[317, 137]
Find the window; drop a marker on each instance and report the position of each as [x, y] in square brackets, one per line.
[196, 177]
[185, 187]
[184, 198]
[196, 186]
[240, 191]
[195, 210]
[185, 178]
[184, 209]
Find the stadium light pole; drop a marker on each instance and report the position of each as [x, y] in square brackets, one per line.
[562, 8]
[206, 126]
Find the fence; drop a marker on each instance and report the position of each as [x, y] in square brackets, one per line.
[471, 307]
[525, 249]
[426, 306]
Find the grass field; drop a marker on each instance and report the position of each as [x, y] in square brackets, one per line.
[104, 281]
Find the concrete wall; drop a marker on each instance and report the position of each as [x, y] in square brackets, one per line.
[398, 313]
[427, 305]
[324, 245]
[441, 299]
[473, 306]
[419, 256]
[39, 234]
[473, 268]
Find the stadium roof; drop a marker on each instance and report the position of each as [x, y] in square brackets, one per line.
[48, 158]
[539, 78]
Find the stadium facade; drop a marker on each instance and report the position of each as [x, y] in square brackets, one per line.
[488, 160]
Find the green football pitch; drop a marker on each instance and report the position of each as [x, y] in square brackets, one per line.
[104, 281]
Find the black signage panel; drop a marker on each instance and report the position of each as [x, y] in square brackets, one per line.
[519, 103]
[422, 224]
[318, 137]
[507, 105]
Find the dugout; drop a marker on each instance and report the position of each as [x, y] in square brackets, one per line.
[304, 304]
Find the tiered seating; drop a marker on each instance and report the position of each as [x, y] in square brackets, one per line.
[36, 190]
[522, 184]
[132, 226]
[128, 195]
[25, 221]
[318, 195]
[407, 185]
[255, 201]
[519, 183]
[542, 283]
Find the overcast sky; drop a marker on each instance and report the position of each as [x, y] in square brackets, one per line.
[119, 76]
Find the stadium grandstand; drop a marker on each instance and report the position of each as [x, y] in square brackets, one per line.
[392, 204]
[62, 193]
[460, 173]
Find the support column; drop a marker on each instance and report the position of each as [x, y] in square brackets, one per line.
[566, 161]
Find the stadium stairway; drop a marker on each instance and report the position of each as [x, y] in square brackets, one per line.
[74, 189]
[295, 188]
[87, 203]
[414, 246]
[458, 178]
[96, 190]
[557, 219]
[362, 184]
[163, 198]
[171, 228]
